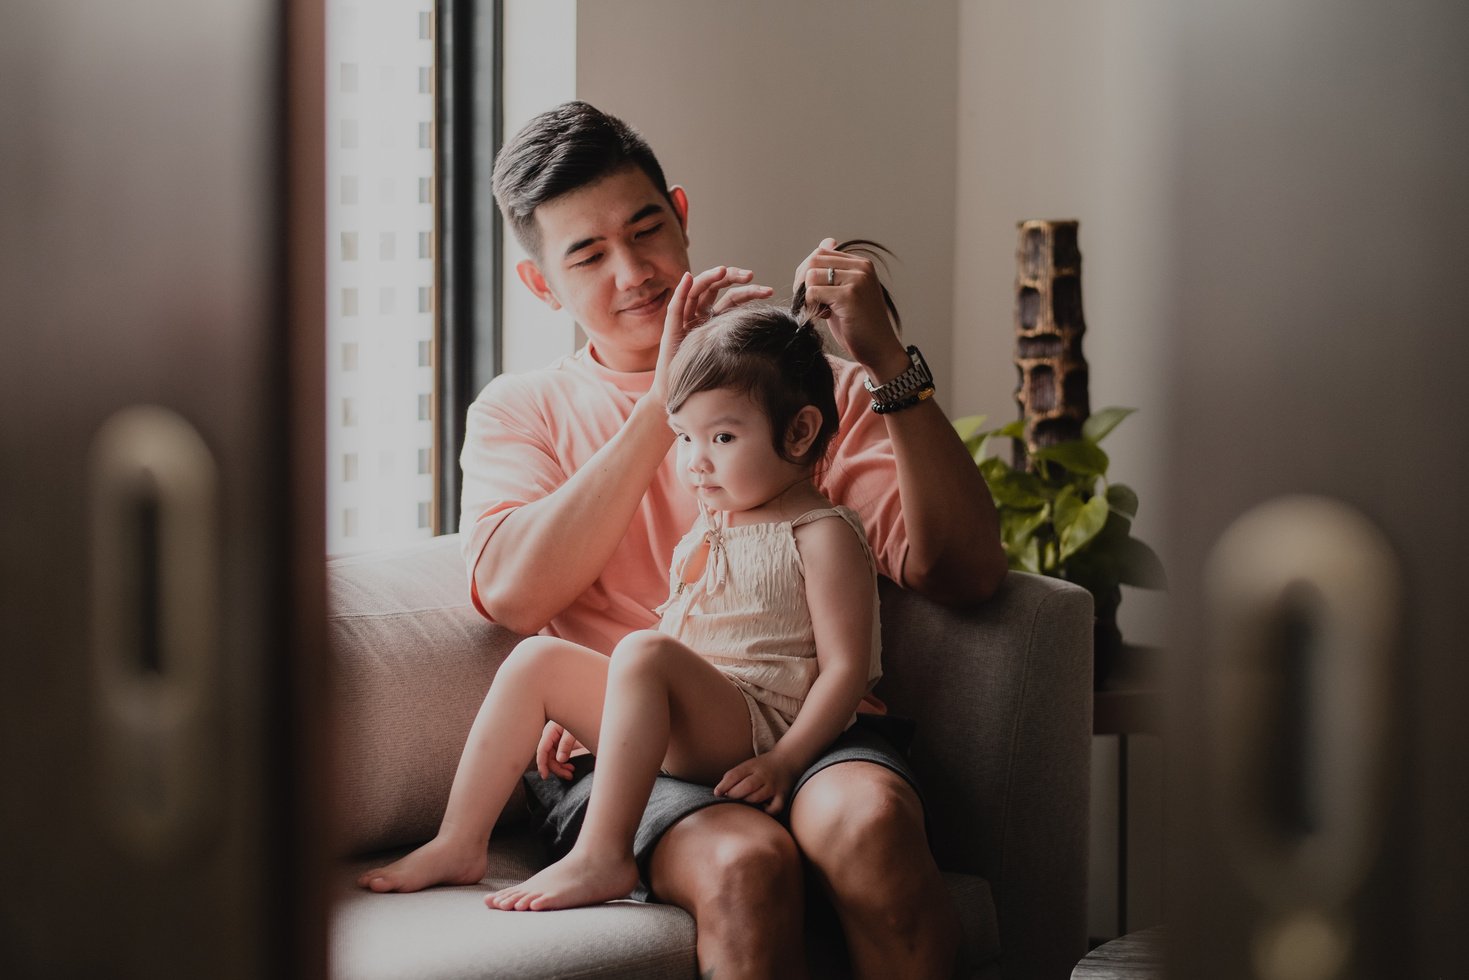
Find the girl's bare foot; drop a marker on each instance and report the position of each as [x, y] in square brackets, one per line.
[439, 862]
[576, 880]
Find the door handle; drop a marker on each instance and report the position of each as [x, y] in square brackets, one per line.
[154, 628]
[1302, 598]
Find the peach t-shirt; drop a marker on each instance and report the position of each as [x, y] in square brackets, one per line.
[527, 433]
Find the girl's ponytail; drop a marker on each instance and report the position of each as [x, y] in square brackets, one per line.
[856, 246]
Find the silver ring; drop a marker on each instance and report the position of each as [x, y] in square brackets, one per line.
[831, 277]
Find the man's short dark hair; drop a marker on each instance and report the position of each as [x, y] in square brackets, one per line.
[560, 150]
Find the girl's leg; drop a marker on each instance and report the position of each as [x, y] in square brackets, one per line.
[666, 706]
[542, 678]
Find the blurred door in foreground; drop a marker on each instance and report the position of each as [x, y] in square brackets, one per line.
[160, 563]
[1319, 490]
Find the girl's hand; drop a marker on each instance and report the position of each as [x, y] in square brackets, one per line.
[763, 779]
[695, 300]
[853, 306]
[553, 754]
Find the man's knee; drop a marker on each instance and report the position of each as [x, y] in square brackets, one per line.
[723, 856]
[863, 832]
[744, 867]
[855, 817]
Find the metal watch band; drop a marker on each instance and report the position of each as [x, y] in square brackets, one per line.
[916, 378]
[887, 408]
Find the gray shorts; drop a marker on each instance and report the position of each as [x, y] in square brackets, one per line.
[559, 806]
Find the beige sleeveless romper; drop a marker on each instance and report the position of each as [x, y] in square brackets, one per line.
[747, 614]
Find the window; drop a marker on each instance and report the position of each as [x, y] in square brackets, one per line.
[413, 117]
[379, 52]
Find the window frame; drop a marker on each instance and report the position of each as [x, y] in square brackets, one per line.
[469, 107]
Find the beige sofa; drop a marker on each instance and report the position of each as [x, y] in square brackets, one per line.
[1002, 694]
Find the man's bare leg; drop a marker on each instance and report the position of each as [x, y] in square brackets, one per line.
[738, 873]
[861, 827]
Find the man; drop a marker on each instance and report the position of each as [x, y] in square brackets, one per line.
[572, 507]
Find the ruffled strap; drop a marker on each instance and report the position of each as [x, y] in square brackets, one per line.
[716, 570]
[846, 514]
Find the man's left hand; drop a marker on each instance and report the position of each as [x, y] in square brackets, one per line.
[844, 290]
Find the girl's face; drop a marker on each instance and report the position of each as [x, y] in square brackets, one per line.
[725, 454]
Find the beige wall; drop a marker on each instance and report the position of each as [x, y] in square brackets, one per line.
[1062, 114]
[787, 122]
[540, 71]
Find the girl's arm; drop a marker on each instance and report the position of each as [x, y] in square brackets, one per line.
[840, 594]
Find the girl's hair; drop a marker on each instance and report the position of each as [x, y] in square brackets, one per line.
[775, 356]
[771, 355]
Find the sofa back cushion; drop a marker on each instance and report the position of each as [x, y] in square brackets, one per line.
[411, 662]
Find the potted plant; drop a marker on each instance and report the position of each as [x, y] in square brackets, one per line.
[1056, 520]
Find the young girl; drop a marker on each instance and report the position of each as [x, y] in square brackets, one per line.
[767, 642]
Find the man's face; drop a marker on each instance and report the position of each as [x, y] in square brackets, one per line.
[612, 253]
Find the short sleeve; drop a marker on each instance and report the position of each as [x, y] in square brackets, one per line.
[508, 461]
[863, 471]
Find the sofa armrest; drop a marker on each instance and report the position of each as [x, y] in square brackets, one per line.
[1003, 697]
[411, 661]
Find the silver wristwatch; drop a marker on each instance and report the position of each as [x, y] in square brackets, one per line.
[906, 390]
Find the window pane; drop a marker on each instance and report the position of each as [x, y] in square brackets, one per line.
[380, 116]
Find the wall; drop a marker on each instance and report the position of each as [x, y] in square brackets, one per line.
[1062, 113]
[789, 122]
[540, 71]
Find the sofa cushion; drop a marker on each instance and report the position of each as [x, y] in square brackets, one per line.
[412, 661]
[449, 933]
[445, 933]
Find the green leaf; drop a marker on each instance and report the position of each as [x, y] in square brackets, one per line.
[1011, 487]
[969, 425]
[1139, 565]
[1080, 457]
[1090, 520]
[1122, 499]
[1098, 424]
[1017, 526]
[1015, 430]
[1025, 559]
[1067, 508]
[969, 430]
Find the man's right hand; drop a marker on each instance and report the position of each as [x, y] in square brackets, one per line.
[695, 300]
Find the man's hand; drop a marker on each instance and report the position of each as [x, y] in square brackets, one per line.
[853, 306]
[763, 779]
[739, 289]
[553, 754]
[695, 300]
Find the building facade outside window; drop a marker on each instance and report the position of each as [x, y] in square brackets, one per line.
[381, 276]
